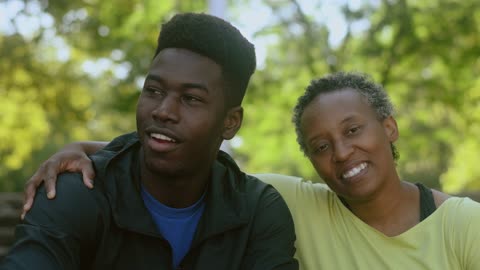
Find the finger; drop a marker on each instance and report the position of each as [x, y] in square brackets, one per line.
[31, 187]
[29, 196]
[50, 186]
[87, 179]
[88, 173]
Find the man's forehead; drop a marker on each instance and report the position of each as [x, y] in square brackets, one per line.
[184, 67]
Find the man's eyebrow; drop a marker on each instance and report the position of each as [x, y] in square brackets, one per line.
[195, 85]
[152, 77]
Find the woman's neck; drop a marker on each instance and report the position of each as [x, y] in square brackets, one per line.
[393, 211]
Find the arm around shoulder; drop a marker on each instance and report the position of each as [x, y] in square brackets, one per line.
[59, 233]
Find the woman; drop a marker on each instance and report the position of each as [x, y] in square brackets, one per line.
[365, 217]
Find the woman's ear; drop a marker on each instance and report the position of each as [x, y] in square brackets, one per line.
[232, 122]
[391, 129]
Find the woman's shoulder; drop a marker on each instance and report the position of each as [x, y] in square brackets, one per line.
[439, 197]
[455, 206]
[461, 211]
[461, 219]
[294, 188]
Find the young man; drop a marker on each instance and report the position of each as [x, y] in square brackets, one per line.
[165, 196]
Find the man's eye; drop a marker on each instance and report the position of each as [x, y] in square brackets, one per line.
[190, 98]
[152, 90]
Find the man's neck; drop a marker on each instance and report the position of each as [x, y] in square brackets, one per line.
[176, 191]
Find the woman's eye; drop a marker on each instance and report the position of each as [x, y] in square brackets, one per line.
[353, 130]
[322, 147]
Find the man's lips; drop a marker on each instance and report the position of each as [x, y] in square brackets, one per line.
[160, 143]
[161, 140]
[162, 134]
[161, 137]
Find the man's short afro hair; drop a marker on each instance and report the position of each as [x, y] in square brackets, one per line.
[218, 40]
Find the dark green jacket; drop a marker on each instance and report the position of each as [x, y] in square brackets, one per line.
[245, 225]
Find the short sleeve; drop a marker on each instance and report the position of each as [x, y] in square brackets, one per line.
[466, 218]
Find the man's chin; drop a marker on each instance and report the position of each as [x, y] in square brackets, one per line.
[162, 166]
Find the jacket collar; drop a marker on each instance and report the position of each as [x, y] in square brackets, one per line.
[118, 168]
[226, 203]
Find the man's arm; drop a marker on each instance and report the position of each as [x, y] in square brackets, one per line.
[272, 243]
[71, 158]
[60, 233]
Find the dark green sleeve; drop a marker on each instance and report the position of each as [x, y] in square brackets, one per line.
[58, 233]
[272, 243]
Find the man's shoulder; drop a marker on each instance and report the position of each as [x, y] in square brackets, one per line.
[266, 184]
[232, 177]
[70, 187]
[74, 205]
[252, 186]
[259, 193]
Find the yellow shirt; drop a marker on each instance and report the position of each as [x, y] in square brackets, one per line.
[330, 237]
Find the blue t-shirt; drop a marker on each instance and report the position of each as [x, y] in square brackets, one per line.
[177, 225]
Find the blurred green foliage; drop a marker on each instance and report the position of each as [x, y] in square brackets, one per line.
[425, 53]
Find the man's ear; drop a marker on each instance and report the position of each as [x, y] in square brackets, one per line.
[232, 122]
[391, 129]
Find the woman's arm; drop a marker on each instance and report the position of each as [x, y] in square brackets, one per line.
[72, 157]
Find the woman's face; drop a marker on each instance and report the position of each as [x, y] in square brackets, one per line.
[348, 145]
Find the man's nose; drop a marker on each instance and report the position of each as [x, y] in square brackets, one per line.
[167, 109]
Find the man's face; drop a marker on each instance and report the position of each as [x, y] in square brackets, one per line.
[181, 113]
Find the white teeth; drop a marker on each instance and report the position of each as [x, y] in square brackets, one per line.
[161, 137]
[355, 171]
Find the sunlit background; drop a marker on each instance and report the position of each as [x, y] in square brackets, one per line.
[72, 70]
